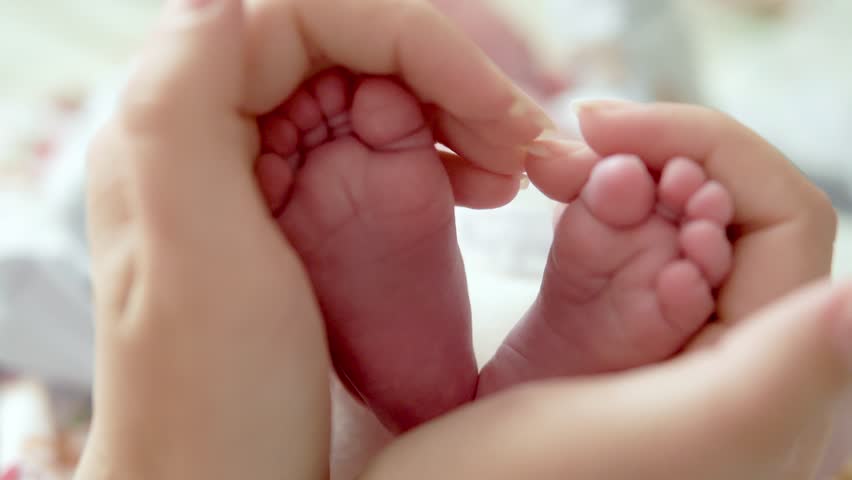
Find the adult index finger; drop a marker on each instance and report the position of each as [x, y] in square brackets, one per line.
[484, 117]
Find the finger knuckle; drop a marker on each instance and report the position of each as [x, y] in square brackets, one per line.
[99, 148]
[149, 103]
[142, 115]
[821, 210]
[104, 165]
[724, 120]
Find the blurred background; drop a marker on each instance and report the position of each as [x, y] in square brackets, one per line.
[780, 66]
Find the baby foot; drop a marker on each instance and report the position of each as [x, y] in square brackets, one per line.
[352, 175]
[630, 275]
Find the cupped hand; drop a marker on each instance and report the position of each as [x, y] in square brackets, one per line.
[211, 354]
[753, 397]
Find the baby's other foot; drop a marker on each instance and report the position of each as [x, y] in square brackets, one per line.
[352, 175]
[630, 275]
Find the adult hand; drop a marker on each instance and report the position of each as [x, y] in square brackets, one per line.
[784, 226]
[750, 407]
[211, 355]
[755, 395]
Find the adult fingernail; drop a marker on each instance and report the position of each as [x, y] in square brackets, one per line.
[580, 107]
[543, 121]
[519, 108]
[539, 150]
[547, 146]
[553, 134]
[524, 107]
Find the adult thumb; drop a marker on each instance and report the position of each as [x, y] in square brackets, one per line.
[177, 143]
[191, 65]
[778, 380]
[756, 405]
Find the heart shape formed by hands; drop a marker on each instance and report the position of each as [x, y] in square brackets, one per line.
[197, 291]
[351, 173]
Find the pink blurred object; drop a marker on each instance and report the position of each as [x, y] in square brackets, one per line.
[496, 36]
[13, 473]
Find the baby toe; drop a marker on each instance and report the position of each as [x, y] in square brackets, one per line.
[680, 179]
[275, 177]
[706, 243]
[278, 135]
[333, 91]
[620, 191]
[387, 117]
[685, 297]
[304, 111]
[711, 202]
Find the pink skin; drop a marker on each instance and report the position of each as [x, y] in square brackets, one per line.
[370, 210]
[350, 171]
[629, 278]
